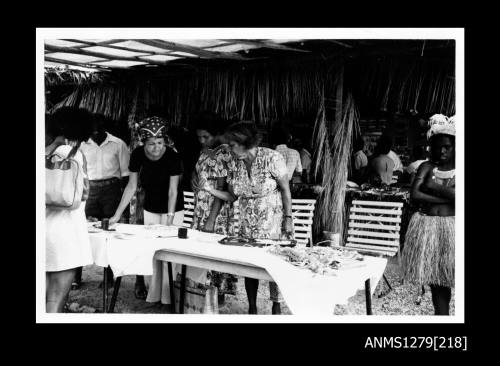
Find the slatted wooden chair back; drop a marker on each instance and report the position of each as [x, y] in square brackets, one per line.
[188, 209]
[303, 213]
[374, 227]
[394, 179]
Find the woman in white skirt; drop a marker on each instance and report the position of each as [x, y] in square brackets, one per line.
[66, 237]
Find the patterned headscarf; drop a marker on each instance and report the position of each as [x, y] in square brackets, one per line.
[440, 124]
[152, 127]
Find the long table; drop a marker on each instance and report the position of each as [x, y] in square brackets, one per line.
[302, 290]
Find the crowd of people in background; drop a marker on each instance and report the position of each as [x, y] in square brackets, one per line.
[231, 164]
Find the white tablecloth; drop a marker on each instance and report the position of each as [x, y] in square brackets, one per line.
[304, 292]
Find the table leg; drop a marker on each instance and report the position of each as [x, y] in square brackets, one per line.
[115, 294]
[171, 286]
[368, 295]
[182, 289]
[105, 291]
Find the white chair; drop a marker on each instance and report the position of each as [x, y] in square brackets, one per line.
[374, 229]
[188, 209]
[303, 213]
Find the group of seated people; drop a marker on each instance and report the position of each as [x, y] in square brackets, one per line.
[232, 165]
[384, 166]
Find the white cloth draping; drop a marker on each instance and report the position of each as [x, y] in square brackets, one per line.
[304, 292]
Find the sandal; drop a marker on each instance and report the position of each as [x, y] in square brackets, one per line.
[140, 292]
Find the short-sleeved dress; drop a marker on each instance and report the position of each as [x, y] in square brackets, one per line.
[67, 242]
[261, 205]
[214, 164]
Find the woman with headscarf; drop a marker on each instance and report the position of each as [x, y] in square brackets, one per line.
[429, 251]
[159, 169]
[260, 182]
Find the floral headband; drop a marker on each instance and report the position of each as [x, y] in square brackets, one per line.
[440, 124]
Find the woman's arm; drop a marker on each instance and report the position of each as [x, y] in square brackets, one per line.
[172, 198]
[286, 197]
[437, 189]
[228, 195]
[127, 195]
[216, 206]
[418, 183]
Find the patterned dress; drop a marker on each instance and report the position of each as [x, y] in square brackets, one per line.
[261, 205]
[211, 165]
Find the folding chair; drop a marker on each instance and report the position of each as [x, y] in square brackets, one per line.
[374, 230]
[303, 213]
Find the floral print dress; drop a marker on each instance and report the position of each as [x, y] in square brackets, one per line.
[259, 197]
[211, 165]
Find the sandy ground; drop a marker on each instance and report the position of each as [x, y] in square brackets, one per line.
[404, 299]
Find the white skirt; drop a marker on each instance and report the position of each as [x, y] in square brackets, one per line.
[67, 242]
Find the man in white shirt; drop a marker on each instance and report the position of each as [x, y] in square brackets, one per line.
[107, 168]
[305, 160]
[398, 166]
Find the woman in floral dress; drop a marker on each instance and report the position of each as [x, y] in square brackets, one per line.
[211, 214]
[261, 184]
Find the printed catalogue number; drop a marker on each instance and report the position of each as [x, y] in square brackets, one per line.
[431, 343]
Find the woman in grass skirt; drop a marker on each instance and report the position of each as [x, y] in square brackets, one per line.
[429, 252]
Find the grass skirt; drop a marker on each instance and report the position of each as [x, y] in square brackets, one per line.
[429, 251]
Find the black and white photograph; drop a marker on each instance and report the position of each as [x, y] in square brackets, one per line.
[250, 175]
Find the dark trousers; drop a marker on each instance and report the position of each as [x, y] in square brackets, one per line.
[104, 198]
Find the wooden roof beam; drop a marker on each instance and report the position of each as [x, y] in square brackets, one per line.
[64, 62]
[82, 51]
[266, 44]
[190, 49]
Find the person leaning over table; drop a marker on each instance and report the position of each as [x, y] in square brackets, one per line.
[67, 244]
[159, 168]
[260, 182]
[215, 165]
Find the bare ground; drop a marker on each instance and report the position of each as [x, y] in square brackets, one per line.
[404, 299]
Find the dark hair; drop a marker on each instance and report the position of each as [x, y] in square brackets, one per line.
[359, 144]
[51, 127]
[418, 152]
[210, 122]
[384, 145]
[75, 124]
[244, 133]
[279, 135]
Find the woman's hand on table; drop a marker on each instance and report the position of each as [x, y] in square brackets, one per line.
[287, 225]
[209, 226]
[113, 220]
[170, 220]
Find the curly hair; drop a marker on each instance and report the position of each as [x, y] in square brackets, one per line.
[244, 133]
[75, 124]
